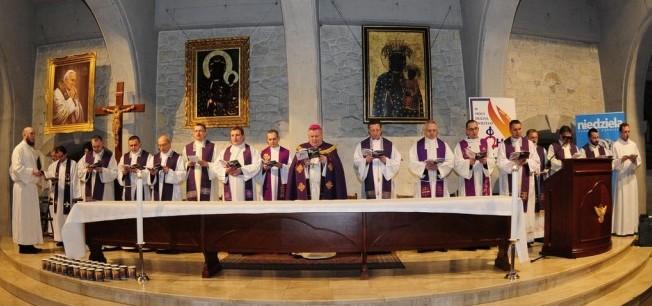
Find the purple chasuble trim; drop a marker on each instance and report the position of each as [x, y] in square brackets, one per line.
[284, 158]
[249, 186]
[589, 151]
[205, 184]
[469, 184]
[96, 191]
[168, 189]
[422, 154]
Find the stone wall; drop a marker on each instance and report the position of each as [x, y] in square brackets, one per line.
[72, 141]
[553, 80]
[268, 89]
[342, 96]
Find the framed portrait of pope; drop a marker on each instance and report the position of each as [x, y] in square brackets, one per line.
[70, 96]
[217, 82]
[396, 64]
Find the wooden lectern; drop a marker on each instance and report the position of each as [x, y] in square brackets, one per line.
[578, 208]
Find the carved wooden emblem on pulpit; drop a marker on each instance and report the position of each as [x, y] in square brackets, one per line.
[600, 211]
[217, 82]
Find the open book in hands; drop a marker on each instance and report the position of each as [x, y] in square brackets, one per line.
[475, 155]
[193, 158]
[272, 163]
[373, 153]
[308, 153]
[519, 156]
[435, 161]
[156, 168]
[136, 167]
[234, 164]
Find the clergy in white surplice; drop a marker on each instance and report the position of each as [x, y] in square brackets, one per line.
[376, 162]
[431, 161]
[540, 175]
[595, 148]
[237, 165]
[272, 179]
[474, 163]
[523, 168]
[26, 174]
[97, 170]
[563, 148]
[625, 188]
[132, 168]
[65, 189]
[167, 172]
[202, 183]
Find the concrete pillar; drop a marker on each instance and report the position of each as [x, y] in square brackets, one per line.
[485, 37]
[301, 21]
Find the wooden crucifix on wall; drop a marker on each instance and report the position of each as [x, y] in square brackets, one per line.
[116, 111]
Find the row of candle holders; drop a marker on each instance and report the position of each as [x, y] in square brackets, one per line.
[87, 269]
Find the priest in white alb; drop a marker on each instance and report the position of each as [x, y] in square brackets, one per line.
[275, 164]
[97, 170]
[625, 190]
[202, 182]
[26, 174]
[595, 147]
[523, 168]
[474, 163]
[376, 162]
[132, 168]
[563, 148]
[431, 161]
[65, 189]
[168, 172]
[237, 177]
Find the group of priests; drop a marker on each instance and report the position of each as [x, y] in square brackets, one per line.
[313, 170]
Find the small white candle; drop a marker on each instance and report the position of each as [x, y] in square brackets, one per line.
[139, 216]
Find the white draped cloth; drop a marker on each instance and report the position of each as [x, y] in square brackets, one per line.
[133, 176]
[58, 218]
[380, 170]
[212, 174]
[26, 215]
[625, 189]
[417, 167]
[278, 176]
[237, 183]
[174, 176]
[506, 167]
[74, 236]
[465, 171]
[106, 177]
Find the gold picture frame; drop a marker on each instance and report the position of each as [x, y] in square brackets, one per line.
[70, 97]
[217, 82]
[396, 55]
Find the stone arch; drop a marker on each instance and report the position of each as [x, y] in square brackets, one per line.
[6, 132]
[633, 99]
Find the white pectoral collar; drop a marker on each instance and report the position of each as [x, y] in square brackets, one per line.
[431, 143]
[198, 145]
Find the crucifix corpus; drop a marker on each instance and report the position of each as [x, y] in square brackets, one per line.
[116, 111]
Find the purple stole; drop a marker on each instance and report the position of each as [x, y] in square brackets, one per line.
[327, 187]
[559, 152]
[283, 156]
[369, 182]
[141, 161]
[205, 184]
[66, 189]
[166, 193]
[589, 152]
[525, 177]
[542, 157]
[422, 154]
[469, 184]
[249, 186]
[95, 192]
[538, 205]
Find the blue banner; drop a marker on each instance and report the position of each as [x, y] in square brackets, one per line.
[606, 123]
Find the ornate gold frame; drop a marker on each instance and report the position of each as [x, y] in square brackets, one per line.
[53, 64]
[193, 73]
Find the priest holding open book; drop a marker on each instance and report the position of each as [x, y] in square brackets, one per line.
[316, 172]
[431, 161]
[376, 162]
[236, 167]
[474, 163]
[517, 155]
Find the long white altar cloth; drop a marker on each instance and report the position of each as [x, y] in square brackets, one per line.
[84, 212]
